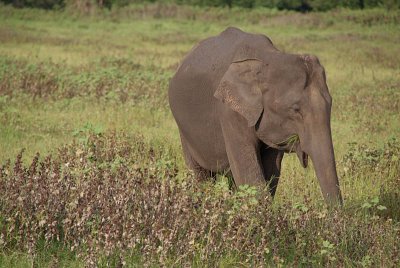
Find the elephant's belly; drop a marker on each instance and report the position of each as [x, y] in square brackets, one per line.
[195, 110]
[213, 161]
[206, 146]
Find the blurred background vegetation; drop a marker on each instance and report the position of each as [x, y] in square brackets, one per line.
[298, 5]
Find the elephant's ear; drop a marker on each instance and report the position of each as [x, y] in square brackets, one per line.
[240, 88]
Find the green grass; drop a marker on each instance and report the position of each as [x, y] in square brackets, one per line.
[62, 75]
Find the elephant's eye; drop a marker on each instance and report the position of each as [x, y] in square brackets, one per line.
[296, 111]
[296, 108]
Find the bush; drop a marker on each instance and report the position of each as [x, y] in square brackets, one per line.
[111, 195]
[46, 4]
[321, 5]
[118, 79]
[88, 6]
[383, 160]
[298, 5]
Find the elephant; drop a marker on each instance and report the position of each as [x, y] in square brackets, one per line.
[240, 104]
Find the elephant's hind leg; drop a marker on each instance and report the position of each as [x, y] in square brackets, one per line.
[271, 160]
[200, 173]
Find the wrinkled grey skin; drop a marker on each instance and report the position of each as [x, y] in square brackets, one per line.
[237, 100]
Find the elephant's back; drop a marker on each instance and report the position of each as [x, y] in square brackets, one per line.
[197, 77]
[209, 58]
[204, 66]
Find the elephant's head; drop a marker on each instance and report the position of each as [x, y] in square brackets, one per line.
[286, 99]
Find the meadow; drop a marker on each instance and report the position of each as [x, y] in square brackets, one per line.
[91, 169]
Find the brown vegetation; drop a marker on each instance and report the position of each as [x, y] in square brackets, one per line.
[102, 196]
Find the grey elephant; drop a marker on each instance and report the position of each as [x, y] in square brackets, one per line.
[240, 104]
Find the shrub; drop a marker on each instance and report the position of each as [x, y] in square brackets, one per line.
[46, 4]
[114, 195]
[90, 6]
[383, 160]
[120, 80]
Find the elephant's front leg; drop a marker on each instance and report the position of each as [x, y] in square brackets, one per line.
[271, 161]
[243, 151]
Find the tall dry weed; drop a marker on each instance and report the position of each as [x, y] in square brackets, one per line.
[113, 194]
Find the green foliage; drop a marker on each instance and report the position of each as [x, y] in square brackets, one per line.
[321, 5]
[48, 80]
[89, 6]
[361, 4]
[83, 134]
[46, 4]
[383, 160]
[298, 5]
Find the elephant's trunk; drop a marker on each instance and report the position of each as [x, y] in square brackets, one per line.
[323, 158]
[318, 145]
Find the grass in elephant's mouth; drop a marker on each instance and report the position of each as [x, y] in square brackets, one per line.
[290, 143]
[128, 197]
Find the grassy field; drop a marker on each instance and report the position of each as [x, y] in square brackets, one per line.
[92, 93]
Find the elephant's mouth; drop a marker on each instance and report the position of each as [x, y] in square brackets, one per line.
[303, 157]
[292, 144]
